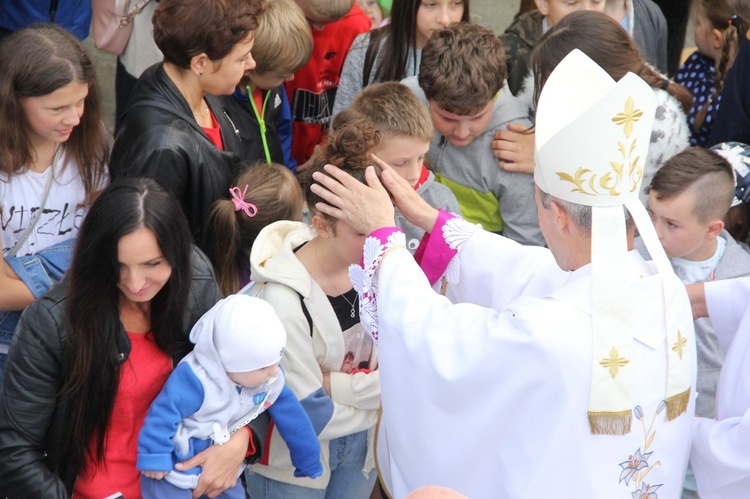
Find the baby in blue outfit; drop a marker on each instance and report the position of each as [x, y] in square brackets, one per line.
[231, 376]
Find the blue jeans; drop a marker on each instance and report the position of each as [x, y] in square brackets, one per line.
[162, 489]
[39, 272]
[347, 481]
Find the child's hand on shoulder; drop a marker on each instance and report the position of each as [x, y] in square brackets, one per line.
[156, 475]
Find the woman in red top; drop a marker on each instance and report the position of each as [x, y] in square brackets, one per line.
[174, 128]
[91, 355]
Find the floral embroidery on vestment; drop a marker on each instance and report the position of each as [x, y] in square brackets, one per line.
[364, 278]
[456, 232]
[639, 464]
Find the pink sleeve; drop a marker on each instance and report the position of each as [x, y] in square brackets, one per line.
[434, 253]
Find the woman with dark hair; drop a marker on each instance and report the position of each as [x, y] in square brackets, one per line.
[378, 56]
[174, 128]
[608, 44]
[90, 356]
[52, 161]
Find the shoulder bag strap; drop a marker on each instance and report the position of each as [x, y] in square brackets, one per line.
[43, 201]
[373, 47]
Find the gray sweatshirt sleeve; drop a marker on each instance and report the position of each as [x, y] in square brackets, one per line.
[515, 190]
[350, 83]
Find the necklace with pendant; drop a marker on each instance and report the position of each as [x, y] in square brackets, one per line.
[353, 304]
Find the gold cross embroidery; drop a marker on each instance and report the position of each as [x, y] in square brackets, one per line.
[628, 117]
[679, 344]
[614, 362]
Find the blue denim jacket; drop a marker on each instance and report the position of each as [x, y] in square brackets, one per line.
[39, 272]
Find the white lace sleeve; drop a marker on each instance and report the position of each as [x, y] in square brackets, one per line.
[364, 279]
[456, 232]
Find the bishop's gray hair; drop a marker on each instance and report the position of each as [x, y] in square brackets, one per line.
[579, 213]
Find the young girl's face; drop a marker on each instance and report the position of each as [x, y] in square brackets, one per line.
[348, 243]
[52, 117]
[708, 40]
[371, 10]
[434, 15]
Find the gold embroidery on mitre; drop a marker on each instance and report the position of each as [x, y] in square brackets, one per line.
[614, 362]
[628, 117]
[677, 404]
[679, 345]
[610, 423]
[609, 183]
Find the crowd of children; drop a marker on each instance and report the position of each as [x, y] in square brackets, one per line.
[252, 98]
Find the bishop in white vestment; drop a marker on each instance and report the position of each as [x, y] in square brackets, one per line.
[528, 381]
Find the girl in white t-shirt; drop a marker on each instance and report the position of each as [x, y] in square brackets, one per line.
[52, 160]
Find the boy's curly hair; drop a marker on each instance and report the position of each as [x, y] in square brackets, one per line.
[463, 68]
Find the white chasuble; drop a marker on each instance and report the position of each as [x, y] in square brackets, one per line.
[492, 400]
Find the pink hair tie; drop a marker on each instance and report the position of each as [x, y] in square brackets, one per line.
[240, 204]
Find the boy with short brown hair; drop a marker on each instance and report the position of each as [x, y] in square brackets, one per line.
[324, 11]
[454, 76]
[461, 80]
[690, 196]
[406, 131]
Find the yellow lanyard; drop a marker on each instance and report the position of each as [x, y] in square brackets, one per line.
[261, 121]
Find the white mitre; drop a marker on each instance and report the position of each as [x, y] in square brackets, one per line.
[592, 136]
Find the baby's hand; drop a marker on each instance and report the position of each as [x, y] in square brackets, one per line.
[313, 471]
[156, 475]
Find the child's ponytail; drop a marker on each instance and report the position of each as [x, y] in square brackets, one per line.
[223, 244]
[656, 80]
[260, 195]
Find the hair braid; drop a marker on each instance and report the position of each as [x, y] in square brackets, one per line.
[656, 80]
[728, 52]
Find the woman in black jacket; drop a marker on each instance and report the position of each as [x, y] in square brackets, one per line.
[89, 356]
[174, 128]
